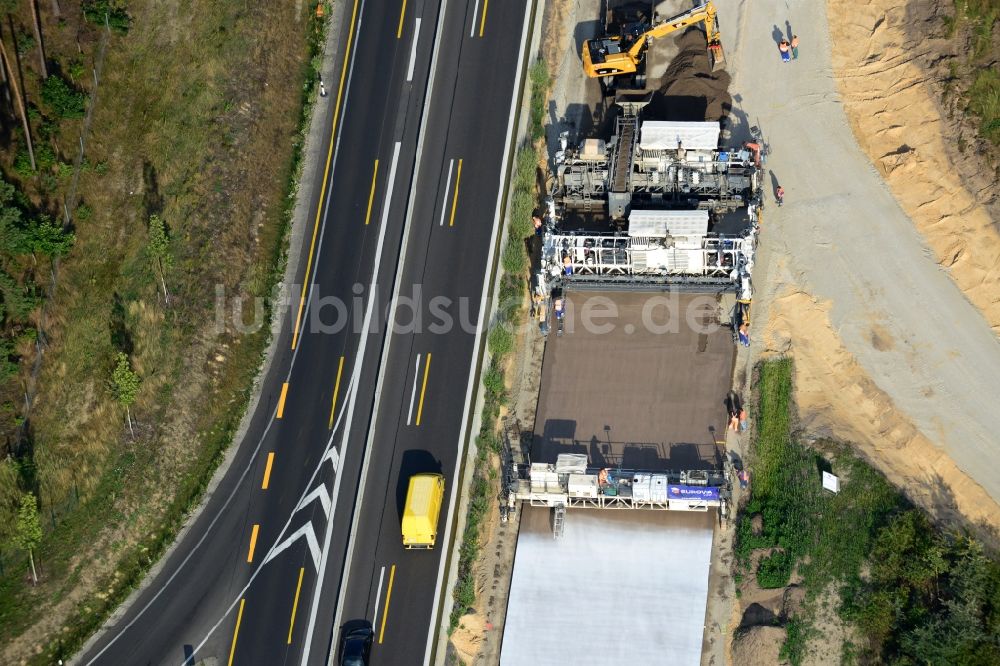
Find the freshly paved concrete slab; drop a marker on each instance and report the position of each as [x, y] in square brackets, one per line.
[618, 587]
[644, 388]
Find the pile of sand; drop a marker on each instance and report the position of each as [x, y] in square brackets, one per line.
[891, 61]
[835, 397]
[467, 639]
[758, 646]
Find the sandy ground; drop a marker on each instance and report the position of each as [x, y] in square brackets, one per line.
[888, 352]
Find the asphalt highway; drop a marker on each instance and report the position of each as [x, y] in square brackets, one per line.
[302, 532]
[447, 255]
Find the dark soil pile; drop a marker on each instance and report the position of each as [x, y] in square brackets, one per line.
[691, 91]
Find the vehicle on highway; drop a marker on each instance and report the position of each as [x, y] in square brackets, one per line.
[356, 639]
[422, 510]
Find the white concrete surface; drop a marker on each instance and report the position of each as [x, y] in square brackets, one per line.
[847, 240]
[625, 587]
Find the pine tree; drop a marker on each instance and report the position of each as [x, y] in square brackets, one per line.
[159, 251]
[28, 532]
[126, 386]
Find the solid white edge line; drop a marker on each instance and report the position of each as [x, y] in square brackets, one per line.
[475, 15]
[428, 97]
[291, 365]
[497, 226]
[413, 394]
[413, 53]
[378, 595]
[447, 190]
[358, 363]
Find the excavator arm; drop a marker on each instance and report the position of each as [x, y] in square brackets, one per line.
[612, 56]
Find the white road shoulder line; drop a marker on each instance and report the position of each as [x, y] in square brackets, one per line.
[413, 394]
[475, 15]
[413, 53]
[378, 595]
[447, 190]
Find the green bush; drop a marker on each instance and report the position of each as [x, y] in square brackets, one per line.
[63, 99]
[115, 11]
[794, 648]
[522, 207]
[510, 300]
[984, 102]
[75, 69]
[775, 570]
[18, 300]
[8, 358]
[539, 76]
[494, 383]
[45, 158]
[501, 341]
[929, 597]
[514, 258]
[22, 164]
[465, 588]
[25, 43]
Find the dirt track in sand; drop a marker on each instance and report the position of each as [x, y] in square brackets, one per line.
[891, 63]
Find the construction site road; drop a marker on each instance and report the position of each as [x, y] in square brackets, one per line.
[842, 238]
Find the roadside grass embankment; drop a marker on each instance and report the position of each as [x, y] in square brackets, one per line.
[974, 22]
[201, 122]
[501, 343]
[912, 592]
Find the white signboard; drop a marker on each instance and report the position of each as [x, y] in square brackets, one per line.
[831, 482]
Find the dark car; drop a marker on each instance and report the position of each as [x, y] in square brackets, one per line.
[356, 639]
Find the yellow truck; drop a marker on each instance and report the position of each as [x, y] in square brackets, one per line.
[422, 510]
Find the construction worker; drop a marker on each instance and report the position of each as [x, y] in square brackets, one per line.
[779, 195]
[744, 334]
[744, 477]
[795, 47]
[785, 49]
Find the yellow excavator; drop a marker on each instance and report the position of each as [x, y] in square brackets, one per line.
[623, 54]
